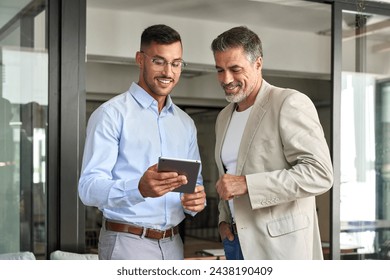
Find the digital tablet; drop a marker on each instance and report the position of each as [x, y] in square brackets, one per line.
[189, 168]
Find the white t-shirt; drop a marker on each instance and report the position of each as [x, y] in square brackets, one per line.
[231, 144]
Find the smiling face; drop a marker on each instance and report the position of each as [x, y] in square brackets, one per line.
[239, 77]
[156, 80]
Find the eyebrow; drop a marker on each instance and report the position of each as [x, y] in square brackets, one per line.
[159, 56]
[229, 67]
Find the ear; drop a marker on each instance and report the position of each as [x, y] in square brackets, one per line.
[259, 63]
[138, 58]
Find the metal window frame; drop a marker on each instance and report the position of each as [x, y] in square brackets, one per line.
[66, 42]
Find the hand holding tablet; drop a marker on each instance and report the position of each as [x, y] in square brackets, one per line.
[187, 167]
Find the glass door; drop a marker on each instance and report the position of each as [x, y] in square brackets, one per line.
[365, 136]
[23, 126]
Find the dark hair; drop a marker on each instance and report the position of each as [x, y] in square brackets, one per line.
[239, 36]
[160, 34]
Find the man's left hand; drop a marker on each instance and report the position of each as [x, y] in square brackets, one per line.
[228, 186]
[195, 201]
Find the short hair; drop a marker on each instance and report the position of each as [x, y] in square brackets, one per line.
[160, 34]
[236, 37]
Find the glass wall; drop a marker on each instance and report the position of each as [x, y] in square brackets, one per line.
[365, 137]
[23, 126]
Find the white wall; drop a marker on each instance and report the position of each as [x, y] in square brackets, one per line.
[117, 33]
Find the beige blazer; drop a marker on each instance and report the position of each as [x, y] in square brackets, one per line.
[286, 161]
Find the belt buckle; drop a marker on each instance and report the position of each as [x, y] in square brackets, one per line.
[144, 231]
[165, 232]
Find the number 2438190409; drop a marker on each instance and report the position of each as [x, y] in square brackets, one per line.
[242, 270]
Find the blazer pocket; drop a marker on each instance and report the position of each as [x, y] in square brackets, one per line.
[287, 225]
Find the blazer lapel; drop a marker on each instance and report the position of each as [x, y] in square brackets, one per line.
[252, 125]
[225, 117]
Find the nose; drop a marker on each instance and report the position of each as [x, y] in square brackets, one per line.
[225, 77]
[167, 68]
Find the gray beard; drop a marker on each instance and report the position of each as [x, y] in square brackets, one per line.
[236, 98]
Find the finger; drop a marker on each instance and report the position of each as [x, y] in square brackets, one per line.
[167, 175]
[200, 195]
[218, 188]
[153, 167]
[196, 208]
[172, 183]
[230, 236]
[192, 202]
[223, 194]
[199, 189]
[227, 232]
[172, 178]
[182, 179]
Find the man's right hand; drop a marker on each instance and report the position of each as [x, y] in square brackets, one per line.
[156, 184]
[225, 231]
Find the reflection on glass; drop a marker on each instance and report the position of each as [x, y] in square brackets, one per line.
[365, 137]
[358, 157]
[23, 128]
[8, 196]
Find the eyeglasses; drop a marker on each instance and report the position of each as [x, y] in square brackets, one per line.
[160, 63]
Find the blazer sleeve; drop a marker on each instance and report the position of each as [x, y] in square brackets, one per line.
[300, 166]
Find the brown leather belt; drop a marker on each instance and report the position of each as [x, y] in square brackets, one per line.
[141, 231]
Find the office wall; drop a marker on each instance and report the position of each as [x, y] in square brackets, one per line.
[117, 33]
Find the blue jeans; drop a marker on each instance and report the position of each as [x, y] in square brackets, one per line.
[232, 249]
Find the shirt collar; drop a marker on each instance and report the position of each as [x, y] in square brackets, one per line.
[146, 101]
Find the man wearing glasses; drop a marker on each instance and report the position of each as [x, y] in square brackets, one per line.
[125, 137]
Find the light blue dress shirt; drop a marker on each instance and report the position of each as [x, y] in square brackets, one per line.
[125, 136]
